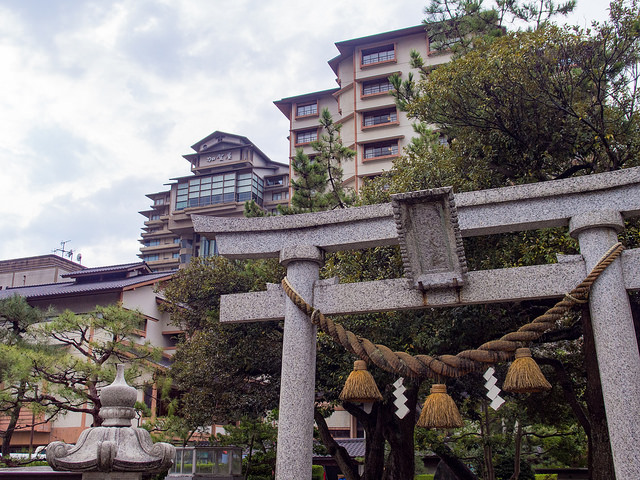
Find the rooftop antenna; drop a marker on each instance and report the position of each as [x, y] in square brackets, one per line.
[63, 252]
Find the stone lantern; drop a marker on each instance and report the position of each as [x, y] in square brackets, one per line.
[115, 450]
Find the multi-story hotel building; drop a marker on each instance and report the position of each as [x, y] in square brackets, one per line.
[372, 125]
[226, 171]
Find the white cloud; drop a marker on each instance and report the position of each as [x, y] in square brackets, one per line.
[100, 100]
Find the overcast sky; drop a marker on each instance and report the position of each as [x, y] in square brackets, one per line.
[100, 99]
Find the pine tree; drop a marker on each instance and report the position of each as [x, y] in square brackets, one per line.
[318, 183]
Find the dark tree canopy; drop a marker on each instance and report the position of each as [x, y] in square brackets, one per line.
[537, 105]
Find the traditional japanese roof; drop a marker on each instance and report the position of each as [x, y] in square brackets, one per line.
[125, 269]
[355, 446]
[86, 287]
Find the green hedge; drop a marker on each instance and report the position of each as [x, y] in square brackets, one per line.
[539, 476]
[317, 472]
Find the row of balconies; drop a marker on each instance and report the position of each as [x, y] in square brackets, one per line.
[169, 247]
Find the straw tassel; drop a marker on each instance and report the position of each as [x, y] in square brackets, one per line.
[524, 375]
[360, 387]
[439, 410]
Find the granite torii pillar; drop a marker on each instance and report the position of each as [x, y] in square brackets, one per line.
[614, 337]
[298, 379]
[300, 240]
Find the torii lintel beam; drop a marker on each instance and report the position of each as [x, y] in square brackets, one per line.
[485, 212]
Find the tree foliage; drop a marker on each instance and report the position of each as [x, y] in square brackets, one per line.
[259, 437]
[318, 183]
[17, 380]
[58, 366]
[456, 25]
[87, 347]
[537, 105]
[224, 371]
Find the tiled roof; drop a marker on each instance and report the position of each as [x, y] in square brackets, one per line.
[72, 288]
[108, 269]
[355, 446]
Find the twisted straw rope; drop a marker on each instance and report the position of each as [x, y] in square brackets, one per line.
[427, 366]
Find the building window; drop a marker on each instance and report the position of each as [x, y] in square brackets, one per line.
[379, 117]
[306, 109]
[151, 258]
[274, 181]
[175, 255]
[215, 189]
[151, 243]
[381, 149]
[279, 195]
[374, 87]
[155, 216]
[208, 248]
[306, 136]
[383, 53]
[250, 187]
[159, 201]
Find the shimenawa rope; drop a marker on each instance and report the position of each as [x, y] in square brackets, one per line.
[427, 366]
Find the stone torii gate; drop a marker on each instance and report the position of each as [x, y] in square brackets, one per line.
[593, 207]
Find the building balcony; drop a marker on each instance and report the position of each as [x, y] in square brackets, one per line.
[163, 247]
[157, 234]
[154, 223]
[162, 263]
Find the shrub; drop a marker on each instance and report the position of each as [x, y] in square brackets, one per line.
[317, 472]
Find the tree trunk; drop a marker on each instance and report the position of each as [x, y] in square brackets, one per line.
[14, 416]
[399, 434]
[518, 449]
[94, 398]
[374, 446]
[246, 473]
[485, 430]
[339, 453]
[8, 433]
[563, 379]
[600, 456]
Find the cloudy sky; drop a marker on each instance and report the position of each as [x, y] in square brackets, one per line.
[100, 99]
